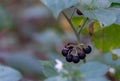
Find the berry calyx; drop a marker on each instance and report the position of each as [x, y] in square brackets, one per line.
[87, 49]
[81, 55]
[65, 52]
[79, 12]
[69, 58]
[76, 59]
[69, 47]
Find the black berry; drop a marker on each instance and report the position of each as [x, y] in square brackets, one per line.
[65, 52]
[76, 59]
[87, 49]
[79, 12]
[81, 55]
[69, 58]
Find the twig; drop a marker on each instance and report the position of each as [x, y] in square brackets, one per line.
[72, 13]
[74, 30]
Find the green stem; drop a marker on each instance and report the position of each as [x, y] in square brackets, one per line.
[74, 30]
[72, 13]
[79, 31]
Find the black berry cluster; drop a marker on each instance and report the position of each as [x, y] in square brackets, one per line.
[74, 53]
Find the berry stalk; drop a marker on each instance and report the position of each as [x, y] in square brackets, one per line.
[73, 28]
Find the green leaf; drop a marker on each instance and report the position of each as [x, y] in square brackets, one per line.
[24, 62]
[117, 12]
[107, 38]
[48, 68]
[57, 78]
[96, 26]
[93, 70]
[57, 6]
[104, 16]
[115, 5]
[94, 3]
[101, 3]
[115, 1]
[99, 10]
[77, 21]
[9, 74]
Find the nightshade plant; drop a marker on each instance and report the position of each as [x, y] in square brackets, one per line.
[100, 19]
[106, 13]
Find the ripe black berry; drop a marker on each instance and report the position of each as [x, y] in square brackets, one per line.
[69, 58]
[79, 12]
[81, 55]
[87, 50]
[65, 52]
[76, 59]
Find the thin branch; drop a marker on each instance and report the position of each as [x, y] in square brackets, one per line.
[72, 13]
[74, 30]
